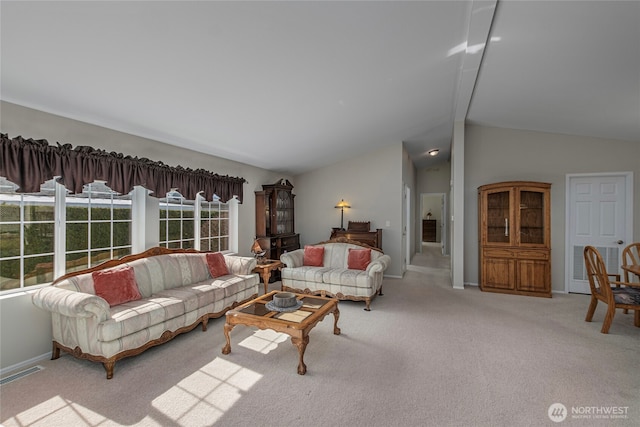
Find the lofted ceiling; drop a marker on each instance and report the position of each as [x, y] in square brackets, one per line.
[294, 86]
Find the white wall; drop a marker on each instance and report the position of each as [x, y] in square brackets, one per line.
[17, 309]
[457, 233]
[436, 179]
[495, 155]
[371, 183]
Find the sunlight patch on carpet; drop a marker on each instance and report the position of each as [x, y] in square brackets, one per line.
[204, 396]
[57, 411]
[264, 341]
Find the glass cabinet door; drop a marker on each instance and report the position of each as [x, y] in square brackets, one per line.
[267, 219]
[532, 217]
[284, 216]
[498, 217]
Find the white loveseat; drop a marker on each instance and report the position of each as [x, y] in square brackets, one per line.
[177, 292]
[334, 278]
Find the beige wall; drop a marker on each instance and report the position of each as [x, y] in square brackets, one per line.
[371, 183]
[495, 155]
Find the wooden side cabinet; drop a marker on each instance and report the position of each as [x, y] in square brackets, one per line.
[514, 238]
[428, 230]
[277, 245]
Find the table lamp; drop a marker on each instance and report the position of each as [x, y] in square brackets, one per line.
[341, 205]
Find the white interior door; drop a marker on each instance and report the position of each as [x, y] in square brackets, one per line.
[599, 214]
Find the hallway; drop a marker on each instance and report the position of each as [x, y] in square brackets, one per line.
[430, 260]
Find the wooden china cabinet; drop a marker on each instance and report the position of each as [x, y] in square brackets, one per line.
[275, 225]
[514, 238]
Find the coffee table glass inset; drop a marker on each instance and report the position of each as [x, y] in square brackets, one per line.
[296, 324]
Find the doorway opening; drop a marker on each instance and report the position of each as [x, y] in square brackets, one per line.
[432, 224]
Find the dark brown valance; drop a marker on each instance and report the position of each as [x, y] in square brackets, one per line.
[28, 163]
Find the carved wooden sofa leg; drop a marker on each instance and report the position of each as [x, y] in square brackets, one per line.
[108, 366]
[367, 301]
[55, 352]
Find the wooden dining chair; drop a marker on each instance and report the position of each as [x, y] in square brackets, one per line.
[623, 295]
[631, 256]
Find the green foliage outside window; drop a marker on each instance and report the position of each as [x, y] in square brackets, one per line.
[39, 236]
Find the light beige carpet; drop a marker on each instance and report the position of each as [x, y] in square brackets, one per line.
[426, 355]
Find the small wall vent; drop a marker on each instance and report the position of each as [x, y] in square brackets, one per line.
[20, 374]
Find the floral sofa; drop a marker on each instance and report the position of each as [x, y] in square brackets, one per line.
[341, 268]
[122, 307]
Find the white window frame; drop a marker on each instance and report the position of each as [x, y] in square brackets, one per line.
[221, 207]
[91, 202]
[191, 205]
[23, 200]
[59, 200]
[144, 232]
[232, 214]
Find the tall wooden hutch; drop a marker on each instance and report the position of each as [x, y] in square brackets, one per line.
[514, 238]
[275, 225]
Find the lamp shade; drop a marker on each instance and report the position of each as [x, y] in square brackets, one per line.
[256, 248]
[342, 204]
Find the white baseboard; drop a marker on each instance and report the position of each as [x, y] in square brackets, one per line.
[24, 364]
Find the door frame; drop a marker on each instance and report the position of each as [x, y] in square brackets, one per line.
[406, 228]
[444, 241]
[628, 176]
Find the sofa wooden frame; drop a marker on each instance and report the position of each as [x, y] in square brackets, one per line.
[109, 363]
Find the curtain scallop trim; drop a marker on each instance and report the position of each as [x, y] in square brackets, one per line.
[28, 163]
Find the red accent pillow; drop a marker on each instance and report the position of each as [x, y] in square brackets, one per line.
[217, 264]
[358, 259]
[117, 285]
[313, 256]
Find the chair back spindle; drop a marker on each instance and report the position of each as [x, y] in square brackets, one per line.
[631, 256]
[597, 272]
[624, 295]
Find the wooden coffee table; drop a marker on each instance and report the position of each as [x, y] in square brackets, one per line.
[297, 324]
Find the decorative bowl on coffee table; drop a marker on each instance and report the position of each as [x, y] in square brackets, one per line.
[284, 301]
